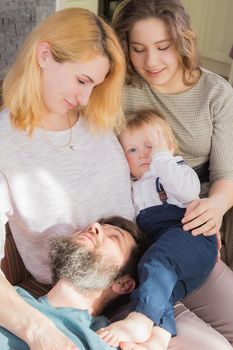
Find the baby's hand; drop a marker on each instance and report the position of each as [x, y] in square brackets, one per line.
[158, 140]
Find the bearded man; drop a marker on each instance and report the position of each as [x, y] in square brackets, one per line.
[90, 270]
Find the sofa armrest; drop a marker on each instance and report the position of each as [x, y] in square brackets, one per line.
[12, 264]
[13, 267]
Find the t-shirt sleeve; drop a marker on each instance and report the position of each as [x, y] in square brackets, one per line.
[177, 178]
[5, 210]
[221, 155]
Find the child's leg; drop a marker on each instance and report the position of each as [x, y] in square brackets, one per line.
[151, 300]
[176, 257]
[159, 340]
[134, 328]
[157, 279]
[157, 283]
[160, 270]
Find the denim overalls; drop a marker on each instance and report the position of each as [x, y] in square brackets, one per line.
[175, 264]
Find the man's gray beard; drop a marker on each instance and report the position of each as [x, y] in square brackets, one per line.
[86, 270]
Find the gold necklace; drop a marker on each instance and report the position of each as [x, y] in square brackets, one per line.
[69, 145]
[59, 147]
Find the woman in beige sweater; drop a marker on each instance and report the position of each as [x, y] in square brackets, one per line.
[163, 73]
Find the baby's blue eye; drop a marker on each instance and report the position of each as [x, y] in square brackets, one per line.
[132, 150]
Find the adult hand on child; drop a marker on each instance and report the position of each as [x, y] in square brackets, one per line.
[203, 216]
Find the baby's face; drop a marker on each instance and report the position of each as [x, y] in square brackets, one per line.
[138, 151]
[140, 145]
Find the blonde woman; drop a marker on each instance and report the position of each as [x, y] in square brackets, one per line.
[61, 167]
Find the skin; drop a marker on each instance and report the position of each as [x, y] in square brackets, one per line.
[154, 55]
[136, 332]
[159, 336]
[140, 145]
[111, 242]
[67, 85]
[155, 59]
[59, 94]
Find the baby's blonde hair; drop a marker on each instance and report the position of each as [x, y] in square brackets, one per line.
[147, 117]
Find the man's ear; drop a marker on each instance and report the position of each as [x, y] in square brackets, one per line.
[43, 54]
[123, 285]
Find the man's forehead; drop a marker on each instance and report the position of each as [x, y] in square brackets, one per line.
[116, 228]
[125, 234]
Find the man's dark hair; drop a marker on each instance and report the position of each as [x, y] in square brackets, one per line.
[130, 266]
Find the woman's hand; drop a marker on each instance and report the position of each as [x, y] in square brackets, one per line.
[203, 216]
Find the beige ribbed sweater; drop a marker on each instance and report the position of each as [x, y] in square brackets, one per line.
[201, 118]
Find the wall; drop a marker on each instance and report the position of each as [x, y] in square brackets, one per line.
[213, 22]
[17, 19]
[91, 5]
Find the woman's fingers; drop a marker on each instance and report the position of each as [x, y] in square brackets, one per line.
[202, 217]
[194, 210]
[194, 204]
[209, 227]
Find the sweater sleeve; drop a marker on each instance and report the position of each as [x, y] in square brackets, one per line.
[177, 178]
[221, 155]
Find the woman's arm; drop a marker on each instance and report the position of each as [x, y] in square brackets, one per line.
[205, 215]
[16, 315]
[208, 212]
[27, 323]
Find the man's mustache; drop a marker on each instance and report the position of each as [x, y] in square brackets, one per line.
[89, 235]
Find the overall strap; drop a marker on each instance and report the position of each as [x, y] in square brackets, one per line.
[161, 192]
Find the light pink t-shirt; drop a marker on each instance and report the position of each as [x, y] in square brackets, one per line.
[47, 189]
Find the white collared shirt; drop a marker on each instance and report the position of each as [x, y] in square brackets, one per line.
[179, 180]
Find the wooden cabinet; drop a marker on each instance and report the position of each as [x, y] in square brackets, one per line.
[91, 5]
[213, 22]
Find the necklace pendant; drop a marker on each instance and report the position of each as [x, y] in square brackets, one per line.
[71, 147]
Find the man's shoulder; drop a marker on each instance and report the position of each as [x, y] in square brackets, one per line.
[25, 295]
[77, 324]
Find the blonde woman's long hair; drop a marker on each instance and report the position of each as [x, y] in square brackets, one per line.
[73, 34]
